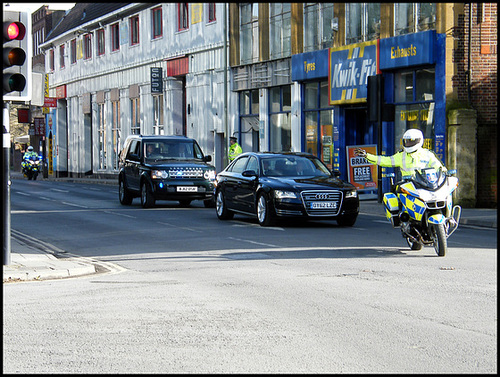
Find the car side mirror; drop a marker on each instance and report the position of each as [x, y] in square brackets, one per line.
[336, 173]
[207, 158]
[249, 173]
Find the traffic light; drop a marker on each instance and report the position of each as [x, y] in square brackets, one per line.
[17, 54]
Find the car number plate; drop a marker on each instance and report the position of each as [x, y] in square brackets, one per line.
[320, 205]
[187, 188]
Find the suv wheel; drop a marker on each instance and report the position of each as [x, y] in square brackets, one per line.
[123, 193]
[147, 199]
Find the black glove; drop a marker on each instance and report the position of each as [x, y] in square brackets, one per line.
[360, 152]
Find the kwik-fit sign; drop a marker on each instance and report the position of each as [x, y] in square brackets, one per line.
[348, 71]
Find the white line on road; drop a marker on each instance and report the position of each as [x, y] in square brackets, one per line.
[74, 205]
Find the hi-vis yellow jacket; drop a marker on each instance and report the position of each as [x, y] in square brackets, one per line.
[408, 162]
[234, 150]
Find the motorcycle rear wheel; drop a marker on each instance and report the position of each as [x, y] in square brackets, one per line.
[438, 235]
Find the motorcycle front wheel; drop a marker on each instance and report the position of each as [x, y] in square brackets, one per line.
[438, 235]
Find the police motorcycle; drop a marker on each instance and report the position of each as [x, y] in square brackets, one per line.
[421, 205]
[31, 166]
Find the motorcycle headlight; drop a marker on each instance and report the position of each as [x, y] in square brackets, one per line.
[159, 174]
[209, 175]
[351, 194]
[282, 194]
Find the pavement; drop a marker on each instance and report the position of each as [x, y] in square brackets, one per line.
[32, 259]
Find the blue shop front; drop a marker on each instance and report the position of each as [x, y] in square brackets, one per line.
[334, 110]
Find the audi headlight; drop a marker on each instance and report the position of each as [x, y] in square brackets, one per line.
[282, 194]
[351, 194]
[209, 175]
[159, 174]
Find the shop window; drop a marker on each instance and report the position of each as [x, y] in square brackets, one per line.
[101, 130]
[158, 126]
[280, 119]
[280, 30]
[249, 37]
[116, 130]
[135, 116]
[156, 16]
[414, 17]
[362, 22]
[415, 100]
[249, 117]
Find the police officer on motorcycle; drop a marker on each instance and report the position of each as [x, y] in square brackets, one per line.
[30, 153]
[412, 157]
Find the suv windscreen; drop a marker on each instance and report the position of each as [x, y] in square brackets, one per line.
[172, 149]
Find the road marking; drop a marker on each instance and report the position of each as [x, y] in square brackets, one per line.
[59, 190]
[253, 242]
[74, 205]
[120, 214]
[22, 193]
[180, 227]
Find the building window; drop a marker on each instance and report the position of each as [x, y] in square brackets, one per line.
[51, 60]
[135, 116]
[101, 49]
[87, 46]
[414, 96]
[158, 126]
[115, 37]
[280, 30]
[101, 126]
[249, 33]
[318, 122]
[134, 30]
[362, 22]
[414, 17]
[211, 12]
[182, 16]
[280, 105]
[116, 130]
[61, 56]
[249, 116]
[156, 15]
[73, 51]
[318, 26]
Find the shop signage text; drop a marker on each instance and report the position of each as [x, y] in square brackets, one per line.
[408, 50]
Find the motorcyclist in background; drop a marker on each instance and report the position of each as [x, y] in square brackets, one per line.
[412, 157]
[30, 153]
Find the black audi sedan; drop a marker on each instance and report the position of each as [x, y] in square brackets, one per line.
[271, 185]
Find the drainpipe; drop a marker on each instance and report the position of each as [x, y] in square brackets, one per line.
[226, 125]
[469, 57]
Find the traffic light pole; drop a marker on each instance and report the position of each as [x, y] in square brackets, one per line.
[6, 185]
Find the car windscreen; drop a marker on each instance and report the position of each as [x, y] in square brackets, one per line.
[293, 166]
[165, 150]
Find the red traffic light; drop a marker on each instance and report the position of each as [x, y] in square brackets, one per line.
[13, 31]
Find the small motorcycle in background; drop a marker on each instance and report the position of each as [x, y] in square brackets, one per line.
[31, 167]
[422, 207]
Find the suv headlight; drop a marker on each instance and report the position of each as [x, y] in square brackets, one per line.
[351, 194]
[159, 174]
[282, 194]
[209, 175]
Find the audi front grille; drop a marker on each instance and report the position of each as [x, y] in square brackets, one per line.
[322, 203]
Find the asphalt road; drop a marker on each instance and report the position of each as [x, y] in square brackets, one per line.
[200, 295]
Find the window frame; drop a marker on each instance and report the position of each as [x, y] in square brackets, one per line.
[211, 13]
[87, 46]
[115, 37]
[73, 50]
[61, 56]
[155, 33]
[101, 42]
[182, 16]
[52, 60]
[134, 30]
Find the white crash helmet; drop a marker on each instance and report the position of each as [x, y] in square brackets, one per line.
[413, 140]
[30, 149]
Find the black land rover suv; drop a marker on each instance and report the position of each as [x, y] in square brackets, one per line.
[164, 168]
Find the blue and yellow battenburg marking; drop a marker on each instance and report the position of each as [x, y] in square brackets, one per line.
[391, 204]
[415, 207]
